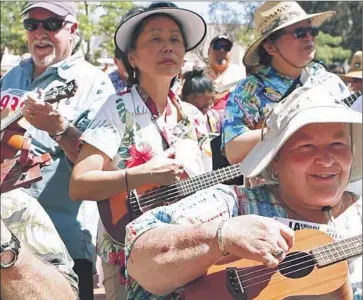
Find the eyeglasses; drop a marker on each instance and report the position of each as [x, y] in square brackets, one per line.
[301, 32]
[218, 46]
[50, 24]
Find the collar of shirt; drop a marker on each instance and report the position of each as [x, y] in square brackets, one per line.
[63, 68]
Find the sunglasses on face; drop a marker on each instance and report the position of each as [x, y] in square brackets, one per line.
[50, 24]
[301, 32]
[218, 46]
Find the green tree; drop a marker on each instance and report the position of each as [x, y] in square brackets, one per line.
[347, 23]
[109, 16]
[329, 49]
[109, 21]
[12, 31]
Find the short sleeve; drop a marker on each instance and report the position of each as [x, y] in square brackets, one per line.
[238, 103]
[106, 130]
[27, 219]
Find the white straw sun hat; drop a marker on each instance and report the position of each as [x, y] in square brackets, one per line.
[272, 16]
[302, 107]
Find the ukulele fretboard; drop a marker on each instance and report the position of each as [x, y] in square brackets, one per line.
[338, 251]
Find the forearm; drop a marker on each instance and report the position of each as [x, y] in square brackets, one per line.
[32, 279]
[238, 148]
[69, 143]
[181, 253]
[98, 185]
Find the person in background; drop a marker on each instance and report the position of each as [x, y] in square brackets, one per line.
[35, 264]
[336, 68]
[354, 80]
[199, 91]
[285, 45]
[53, 41]
[311, 149]
[119, 76]
[354, 76]
[221, 71]
[147, 133]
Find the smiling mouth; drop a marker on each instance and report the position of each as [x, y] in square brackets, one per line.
[168, 62]
[323, 176]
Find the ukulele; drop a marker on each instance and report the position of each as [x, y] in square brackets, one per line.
[121, 209]
[11, 134]
[315, 268]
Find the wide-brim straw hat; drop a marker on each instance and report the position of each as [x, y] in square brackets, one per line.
[273, 16]
[355, 70]
[302, 107]
[193, 25]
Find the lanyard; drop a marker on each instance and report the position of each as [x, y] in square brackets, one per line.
[160, 123]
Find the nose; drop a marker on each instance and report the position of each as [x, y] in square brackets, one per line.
[167, 47]
[324, 158]
[40, 32]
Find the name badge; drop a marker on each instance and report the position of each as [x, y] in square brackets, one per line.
[298, 225]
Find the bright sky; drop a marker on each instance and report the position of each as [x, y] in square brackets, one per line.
[200, 7]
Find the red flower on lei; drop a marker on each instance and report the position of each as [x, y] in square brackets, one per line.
[140, 155]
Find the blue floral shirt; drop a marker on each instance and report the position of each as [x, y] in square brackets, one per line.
[255, 97]
[118, 83]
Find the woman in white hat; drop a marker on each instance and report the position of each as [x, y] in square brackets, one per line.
[147, 132]
[285, 47]
[310, 150]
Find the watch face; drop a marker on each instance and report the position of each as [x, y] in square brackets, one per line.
[8, 258]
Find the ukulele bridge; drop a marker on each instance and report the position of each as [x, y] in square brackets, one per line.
[234, 284]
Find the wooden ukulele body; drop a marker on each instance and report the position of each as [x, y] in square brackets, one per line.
[329, 282]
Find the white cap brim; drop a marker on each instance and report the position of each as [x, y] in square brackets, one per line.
[193, 26]
[262, 154]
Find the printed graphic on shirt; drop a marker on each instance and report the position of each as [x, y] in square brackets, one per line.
[12, 99]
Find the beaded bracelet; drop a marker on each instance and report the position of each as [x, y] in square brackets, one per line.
[221, 245]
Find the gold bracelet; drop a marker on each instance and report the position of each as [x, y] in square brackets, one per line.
[221, 245]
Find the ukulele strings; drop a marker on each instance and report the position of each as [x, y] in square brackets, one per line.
[281, 269]
[150, 198]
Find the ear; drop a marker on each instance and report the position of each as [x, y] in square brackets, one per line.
[273, 168]
[269, 47]
[132, 59]
[74, 28]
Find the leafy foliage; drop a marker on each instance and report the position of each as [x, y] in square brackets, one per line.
[12, 32]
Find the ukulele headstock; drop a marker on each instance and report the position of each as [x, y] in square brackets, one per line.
[60, 92]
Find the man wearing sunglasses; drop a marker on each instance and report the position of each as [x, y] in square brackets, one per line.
[53, 42]
[284, 51]
[221, 71]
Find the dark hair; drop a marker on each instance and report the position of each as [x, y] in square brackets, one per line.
[195, 82]
[118, 53]
[138, 30]
[265, 58]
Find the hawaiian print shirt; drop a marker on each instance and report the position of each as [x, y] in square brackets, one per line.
[29, 222]
[223, 202]
[118, 83]
[255, 97]
[125, 131]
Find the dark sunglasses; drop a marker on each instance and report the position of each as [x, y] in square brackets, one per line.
[218, 46]
[50, 24]
[301, 32]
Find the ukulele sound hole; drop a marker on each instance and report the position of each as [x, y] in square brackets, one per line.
[297, 265]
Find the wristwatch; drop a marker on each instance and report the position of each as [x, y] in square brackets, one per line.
[59, 135]
[9, 252]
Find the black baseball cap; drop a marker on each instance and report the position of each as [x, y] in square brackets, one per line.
[221, 37]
